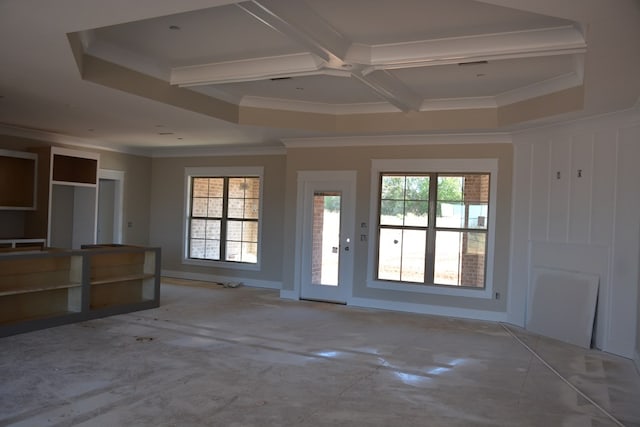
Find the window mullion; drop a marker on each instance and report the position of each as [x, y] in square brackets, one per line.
[429, 259]
[223, 220]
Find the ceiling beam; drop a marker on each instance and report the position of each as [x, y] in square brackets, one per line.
[301, 24]
[391, 89]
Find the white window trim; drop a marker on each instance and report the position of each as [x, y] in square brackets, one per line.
[222, 171]
[442, 166]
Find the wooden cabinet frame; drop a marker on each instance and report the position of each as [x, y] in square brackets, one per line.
[41, 289]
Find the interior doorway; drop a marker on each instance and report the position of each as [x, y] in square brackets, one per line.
[110, 206]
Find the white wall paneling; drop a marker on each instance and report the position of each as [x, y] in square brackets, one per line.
[585, 221]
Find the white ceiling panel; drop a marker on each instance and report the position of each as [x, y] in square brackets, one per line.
[224, 33]
[384, 21]
[478, 80]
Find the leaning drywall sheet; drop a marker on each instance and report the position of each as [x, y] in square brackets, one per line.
[562, 305]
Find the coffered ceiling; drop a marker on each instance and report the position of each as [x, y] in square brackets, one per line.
[153, 74]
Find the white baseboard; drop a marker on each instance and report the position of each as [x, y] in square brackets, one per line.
[221, 279]
[428, 309]
[289, 294]
[636, 361]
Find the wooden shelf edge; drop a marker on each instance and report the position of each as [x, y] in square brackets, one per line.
[118, 279]
[49, 288]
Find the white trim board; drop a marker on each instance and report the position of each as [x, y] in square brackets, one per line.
[215, 278]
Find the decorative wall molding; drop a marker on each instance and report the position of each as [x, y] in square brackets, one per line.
[382, 140]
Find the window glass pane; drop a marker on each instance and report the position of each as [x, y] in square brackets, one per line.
[251, 208]
[216, 187]
[391, 212]
[214, 208]
[252, 188]
[417, 214]
[199, 207]
[390, 254]
[250, 231]
[213, 229]
[450, 188]
[478, 216]
[447, 261]
[236, 208]
[249, 252]
[413, 252]
[200, 187]
[237, 187]
[234, 251]
[460, 258]
[476, 188]
[198, 228]
[196, 247]
[392, 187]
[212, 249]
[450, 214]
[417, 188]
[234, 231]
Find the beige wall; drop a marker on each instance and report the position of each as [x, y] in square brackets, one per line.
[137, 194]
[168, 202]
[137, 185]
[359, 159]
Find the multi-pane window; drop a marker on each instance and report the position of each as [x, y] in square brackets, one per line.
[223, 218]
[433, 228]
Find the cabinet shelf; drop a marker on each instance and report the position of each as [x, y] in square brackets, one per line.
[121, 279]
[39, 289]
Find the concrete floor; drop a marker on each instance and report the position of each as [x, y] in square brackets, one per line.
[243, 357]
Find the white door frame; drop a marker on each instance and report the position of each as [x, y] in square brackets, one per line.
[118, 211]
[305, 179]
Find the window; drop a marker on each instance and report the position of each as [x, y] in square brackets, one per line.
[223, 220]
[433, 228]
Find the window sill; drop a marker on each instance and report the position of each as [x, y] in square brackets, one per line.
[222, 264]
[456, 291]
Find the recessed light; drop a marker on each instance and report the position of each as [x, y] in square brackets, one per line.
[174, 27]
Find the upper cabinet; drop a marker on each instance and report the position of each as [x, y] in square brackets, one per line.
[70, 167]
[66, 213]
[18, 171]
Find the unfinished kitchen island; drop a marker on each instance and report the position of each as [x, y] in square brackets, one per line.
[51, 287]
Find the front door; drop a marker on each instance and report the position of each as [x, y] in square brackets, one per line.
[326, 201]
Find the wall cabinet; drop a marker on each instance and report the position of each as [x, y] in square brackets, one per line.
[18, 180]
[67, 202]
[40, 289]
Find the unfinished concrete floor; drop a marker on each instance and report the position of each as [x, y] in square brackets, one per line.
[243, 357]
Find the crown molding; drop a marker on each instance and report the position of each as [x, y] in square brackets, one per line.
[57, 138]
[395, 140]
[316, 107]
[220, 151]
